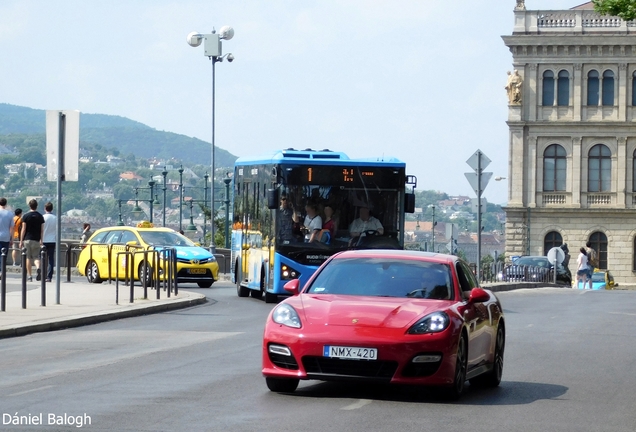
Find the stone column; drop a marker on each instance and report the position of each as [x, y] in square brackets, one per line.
[576, 171]
[577, 90]
[621, 173]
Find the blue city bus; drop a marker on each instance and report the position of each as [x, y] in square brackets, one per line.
[275, 195]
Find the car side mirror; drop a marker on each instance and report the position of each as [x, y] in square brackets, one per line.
[478, 295]
[292, 287]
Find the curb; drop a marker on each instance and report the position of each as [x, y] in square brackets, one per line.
[99, 317]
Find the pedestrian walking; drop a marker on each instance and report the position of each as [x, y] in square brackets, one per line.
[581, 267]
[31, 238]
[49, 237]
[17, 222]
[6, 227]
[592, 261]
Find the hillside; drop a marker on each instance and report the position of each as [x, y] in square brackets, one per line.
[121, 133]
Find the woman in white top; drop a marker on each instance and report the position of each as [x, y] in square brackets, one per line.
[313, 223]
[581, 269]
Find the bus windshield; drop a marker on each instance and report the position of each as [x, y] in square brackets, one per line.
[328, 216]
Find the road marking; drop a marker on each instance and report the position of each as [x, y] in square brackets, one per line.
[624, 313]
[356, 405]
[30, 391]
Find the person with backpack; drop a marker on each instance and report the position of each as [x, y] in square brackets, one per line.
[592, 259]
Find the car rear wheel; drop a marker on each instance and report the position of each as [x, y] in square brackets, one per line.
[92, 273]
[459, 382]
[145, 274]
[206, 284]
[282, 385]
[492, 378]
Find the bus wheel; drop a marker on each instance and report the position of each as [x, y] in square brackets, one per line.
[259, 294]
[240, 290]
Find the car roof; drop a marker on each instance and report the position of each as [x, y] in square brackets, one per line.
[112, 228]
[401, 254]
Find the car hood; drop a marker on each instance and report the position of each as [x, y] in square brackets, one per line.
[361, 311]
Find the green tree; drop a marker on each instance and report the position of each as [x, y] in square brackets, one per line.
[625, 9]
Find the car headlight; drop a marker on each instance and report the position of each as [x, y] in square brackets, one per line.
[433, 323]
[286, 315]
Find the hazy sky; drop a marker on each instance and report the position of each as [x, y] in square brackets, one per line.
[421, 80]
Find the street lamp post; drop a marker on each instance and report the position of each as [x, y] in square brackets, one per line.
[213, 50]
[227, 182]
[120, 222]
[180, 198]
[432, 206]
[164, 173]
[151, 185]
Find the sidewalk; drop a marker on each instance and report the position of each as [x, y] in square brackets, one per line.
[81, 303]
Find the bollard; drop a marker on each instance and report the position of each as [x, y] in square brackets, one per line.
[3, 282]
[43, 259]
[24, 278]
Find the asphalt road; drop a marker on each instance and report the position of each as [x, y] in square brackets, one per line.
[570, 358]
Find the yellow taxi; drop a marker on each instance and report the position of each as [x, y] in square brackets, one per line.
[110, 252]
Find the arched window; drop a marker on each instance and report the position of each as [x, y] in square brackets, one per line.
[552, 239]
[634, 89]
[599, 169]
[608, 88]
[548, 88]
[563, 88]
[592, 88]
[554, 168]
[598, 242]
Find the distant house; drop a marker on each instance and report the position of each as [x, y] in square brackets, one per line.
[129, 175]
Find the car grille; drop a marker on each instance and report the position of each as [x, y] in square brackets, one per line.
[283, 361]
[350, 368]
[201, 261]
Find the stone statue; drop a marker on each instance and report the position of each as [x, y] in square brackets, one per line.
[513, 88]
[521, 5]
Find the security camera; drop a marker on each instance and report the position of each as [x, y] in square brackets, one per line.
[230, 57]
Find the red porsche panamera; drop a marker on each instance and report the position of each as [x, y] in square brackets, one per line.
[391, 316]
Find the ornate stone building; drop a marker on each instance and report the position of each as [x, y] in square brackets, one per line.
[572, 149]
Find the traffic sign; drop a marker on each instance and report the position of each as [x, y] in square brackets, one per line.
[473, 161]
[473, 180]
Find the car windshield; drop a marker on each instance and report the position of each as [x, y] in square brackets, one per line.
[165, 238]
[533, 262]
[598, 277]
[384, 277]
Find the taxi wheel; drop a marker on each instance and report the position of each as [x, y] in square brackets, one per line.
[92, 273]
[145, 273]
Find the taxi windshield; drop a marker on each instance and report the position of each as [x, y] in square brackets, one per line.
[165, 238]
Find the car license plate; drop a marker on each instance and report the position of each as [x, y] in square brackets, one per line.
[351, 353]
[197, 271]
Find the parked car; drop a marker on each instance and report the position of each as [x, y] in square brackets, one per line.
[601, 279]
[98, 261]
[534, 269]
[393, 316]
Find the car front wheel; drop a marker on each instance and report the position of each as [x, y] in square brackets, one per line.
[282, 385]
[455, 391]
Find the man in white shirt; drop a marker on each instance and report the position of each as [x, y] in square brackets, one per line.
[6, 226]
[49, 236]
[364, 223]
[313, 223]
